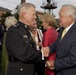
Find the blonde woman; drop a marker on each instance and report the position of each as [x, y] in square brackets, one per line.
[50, 36]
[11, 20]
[8, 23]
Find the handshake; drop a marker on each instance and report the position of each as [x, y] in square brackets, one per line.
[49, 63]
[46, 51]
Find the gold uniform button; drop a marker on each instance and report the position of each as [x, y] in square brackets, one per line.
[21, 69]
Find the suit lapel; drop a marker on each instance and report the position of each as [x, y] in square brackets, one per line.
[59, 37]
[65, 38]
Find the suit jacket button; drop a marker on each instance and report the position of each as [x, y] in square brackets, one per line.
[21, 69]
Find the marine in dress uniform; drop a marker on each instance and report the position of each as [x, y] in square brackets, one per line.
[21, 50]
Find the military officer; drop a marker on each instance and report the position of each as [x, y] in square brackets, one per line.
[20, 45]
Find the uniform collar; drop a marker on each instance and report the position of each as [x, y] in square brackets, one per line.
[22, 24]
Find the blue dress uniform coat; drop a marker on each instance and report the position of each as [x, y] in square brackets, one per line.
[21, 50]
[65, 63]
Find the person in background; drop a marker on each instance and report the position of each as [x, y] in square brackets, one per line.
[9, 21]
[65, 46]
[21, 48]
[37, 36]
[1, 43]
[58, 29]
[50, 36]
[1, 36]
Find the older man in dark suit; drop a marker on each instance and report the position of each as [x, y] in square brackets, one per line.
[65, 47]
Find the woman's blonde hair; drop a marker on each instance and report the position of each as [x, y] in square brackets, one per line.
[11, 20]
[48, 18]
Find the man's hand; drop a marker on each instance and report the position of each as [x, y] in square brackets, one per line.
[46, 51]
[50, 64]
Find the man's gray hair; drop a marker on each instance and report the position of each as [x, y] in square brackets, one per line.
[71, 10]
[24, 7]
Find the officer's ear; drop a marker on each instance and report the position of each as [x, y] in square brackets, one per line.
[24, 14]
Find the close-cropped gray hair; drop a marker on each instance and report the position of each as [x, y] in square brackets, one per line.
[71, 10]
[24, 7]
[11, 20]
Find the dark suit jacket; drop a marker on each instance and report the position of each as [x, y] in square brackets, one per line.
[65, 63]
[20, 45]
